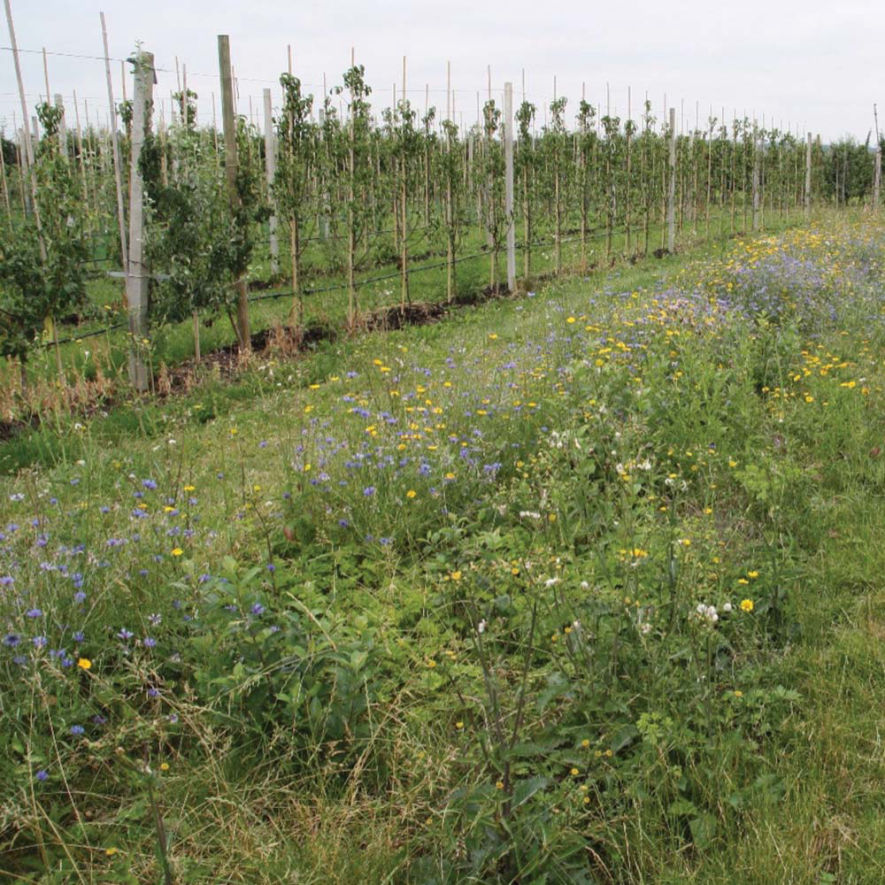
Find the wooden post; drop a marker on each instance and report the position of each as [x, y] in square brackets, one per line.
[508, 184]
[270, 155]
[671, 187]
[230, 166]
[118, 164]
[808, 177]
[137, 277]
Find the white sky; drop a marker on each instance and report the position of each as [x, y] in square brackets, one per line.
[813, 65]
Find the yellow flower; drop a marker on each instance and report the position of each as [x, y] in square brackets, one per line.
[574, 772]
[84, 664]
[456, 576]
[164, 766]
[177, 551]
[746, 605]
[411, 493]
[459, 725]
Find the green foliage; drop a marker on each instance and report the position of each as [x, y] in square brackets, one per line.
[42, 263]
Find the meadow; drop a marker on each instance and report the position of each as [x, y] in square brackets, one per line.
[583, 585]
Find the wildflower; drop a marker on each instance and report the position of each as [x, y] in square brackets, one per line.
[42, 774]
[84, 663]
[411, 493]
[747, 605]
[177, 551]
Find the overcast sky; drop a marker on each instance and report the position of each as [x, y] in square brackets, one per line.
[809, 65]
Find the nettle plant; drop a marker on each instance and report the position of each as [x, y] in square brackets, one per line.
[42, 260]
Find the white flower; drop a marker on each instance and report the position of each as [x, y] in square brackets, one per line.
[481, 626]
[551, 581]
[727, 607]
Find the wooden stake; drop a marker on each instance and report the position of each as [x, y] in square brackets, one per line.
[808, 177]
[118, 176]
[29, 150]
[137, 277]
[671, 187]
[405, 297]
[508, 184]
[46, 75]
[5, 189]
[62, 127]
[877, 172]
[81, 153]
[270, 154]
[230, 166]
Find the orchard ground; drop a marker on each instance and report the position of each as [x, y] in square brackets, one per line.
[579, 586]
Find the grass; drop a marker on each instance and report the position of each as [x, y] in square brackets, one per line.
[583, 586]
